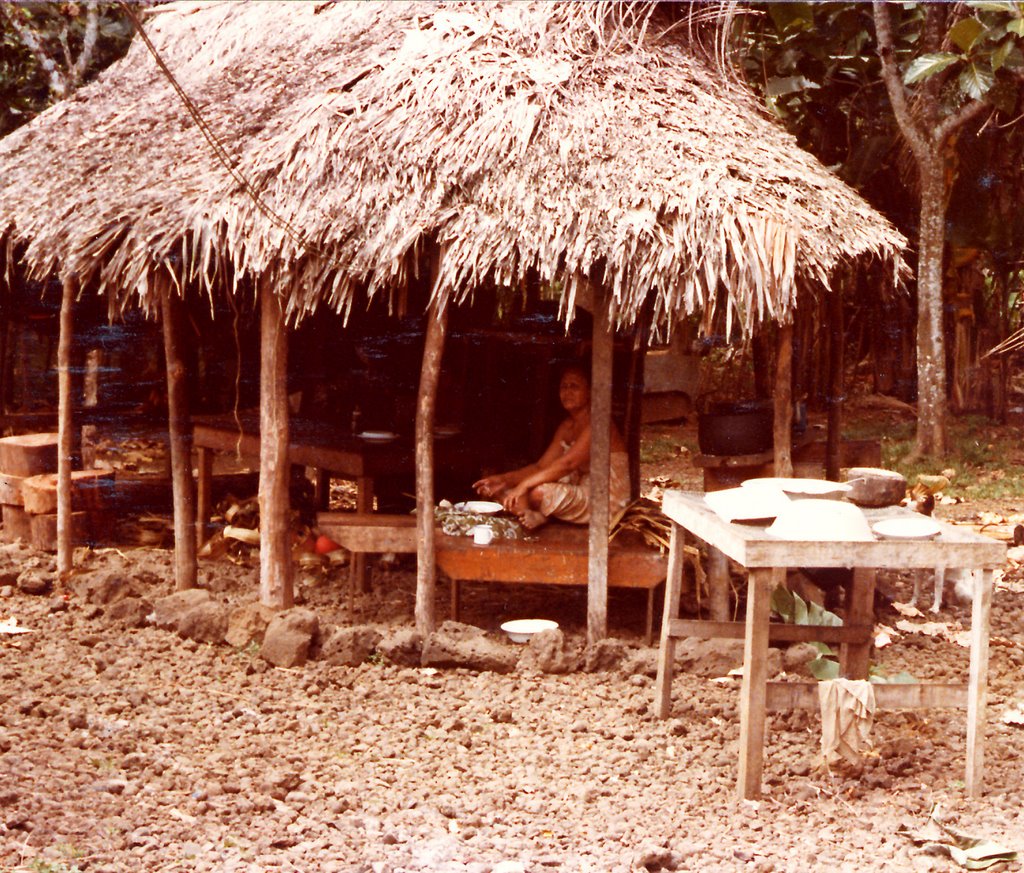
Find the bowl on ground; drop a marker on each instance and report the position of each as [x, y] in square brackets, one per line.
[520, 630]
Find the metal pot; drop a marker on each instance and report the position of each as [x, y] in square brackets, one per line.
[873, 486]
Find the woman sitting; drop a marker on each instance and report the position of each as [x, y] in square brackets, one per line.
[557, 485]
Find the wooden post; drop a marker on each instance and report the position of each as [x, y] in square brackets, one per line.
[784, 402]
[718, 584]
[753, 691]
[600, 467]
[179, 428]
[667, 649]
[426, 405]
[977, 688]
[836, 382]
[635, 397]
[65, 427]
[275, 547]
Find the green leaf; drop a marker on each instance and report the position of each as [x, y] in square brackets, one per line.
[965, 33]
[928, 65]
[822, 669]
[799, 610]
[822, 648]
[782, 603]
[818, 615]
[791, 16]
[1016, 26]
[781, 86]
[1000, 54]
[976, 81]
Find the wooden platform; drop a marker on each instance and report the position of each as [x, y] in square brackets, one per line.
[557, 555]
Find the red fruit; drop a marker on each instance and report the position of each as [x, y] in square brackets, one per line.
[325, 544]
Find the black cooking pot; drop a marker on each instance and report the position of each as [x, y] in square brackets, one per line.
[742, 428]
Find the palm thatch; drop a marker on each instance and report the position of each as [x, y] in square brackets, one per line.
[573, 139]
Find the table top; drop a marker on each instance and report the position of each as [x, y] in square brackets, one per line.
[752, 546]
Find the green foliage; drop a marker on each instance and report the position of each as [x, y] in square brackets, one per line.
[793, 609]
[60, 29]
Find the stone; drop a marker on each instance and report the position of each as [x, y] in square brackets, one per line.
[88, 490]
[604, 655]
[349, 646]
[29, 454]
[10, 489]
[16, 524]
[132, 611]
[193, 614]
[247, 624]
[546, 652]
[403, 646]
[710, 657]
[108, 586]
[43, 530]
[288, 638]
[459, 645]
[35, 581]
[652, 857]
[796, 658]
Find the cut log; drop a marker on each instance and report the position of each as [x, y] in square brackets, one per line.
[16, 526]
[29, 454]
[10, 489]
[43, 530]
[89, 490]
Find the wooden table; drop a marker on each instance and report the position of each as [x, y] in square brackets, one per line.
[556, 555]
[767, 557]
[311, 444]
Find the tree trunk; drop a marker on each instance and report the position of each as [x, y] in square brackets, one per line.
[783, 436]
[426, 407]
[65, 426]
[931, 355]
[600, 467]
[275, 546]
[179, 428]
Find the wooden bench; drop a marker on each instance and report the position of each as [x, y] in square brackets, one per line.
[557, 555]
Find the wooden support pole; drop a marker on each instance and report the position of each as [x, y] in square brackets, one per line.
[179, 428]
[65, 428]
[784, 401]
[275, 548]
[836, 385]
[977, 689]
[667, 649]
[426, 406]
[600, 467]
[635, 397]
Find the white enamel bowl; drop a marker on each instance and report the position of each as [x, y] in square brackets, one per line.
[480, 507]
[822, 521]
[520, 630]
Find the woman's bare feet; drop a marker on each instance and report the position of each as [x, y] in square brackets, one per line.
[532, 519]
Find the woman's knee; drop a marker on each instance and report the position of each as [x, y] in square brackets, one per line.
[535, 496]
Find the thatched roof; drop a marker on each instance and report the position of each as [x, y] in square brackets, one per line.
[562, 137]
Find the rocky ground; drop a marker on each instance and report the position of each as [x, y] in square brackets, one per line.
[134, 737]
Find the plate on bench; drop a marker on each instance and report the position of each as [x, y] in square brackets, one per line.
[479, 507]
[377, 436]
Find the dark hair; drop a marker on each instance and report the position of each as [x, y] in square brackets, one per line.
[579, 367]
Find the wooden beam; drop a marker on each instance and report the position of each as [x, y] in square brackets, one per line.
[65, 427]
[836, 385]
[784, 696]
[777, 633]
[179, 428]
[276, 589]
[977, 693]
[667, 649]
[783, 440]
[426, 407]
[600, 466]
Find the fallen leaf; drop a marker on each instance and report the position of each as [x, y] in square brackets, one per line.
[906, 609]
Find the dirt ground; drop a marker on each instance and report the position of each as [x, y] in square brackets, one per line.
[125, 747]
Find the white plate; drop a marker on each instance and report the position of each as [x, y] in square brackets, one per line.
[800, 487]
[811, 520]
[377, 436]
[907, 528]
[747, 504]
[520, 630]
[480, 507]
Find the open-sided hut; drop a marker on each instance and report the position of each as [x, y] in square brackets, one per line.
[326, 152]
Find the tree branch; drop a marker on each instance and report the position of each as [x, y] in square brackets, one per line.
[909, 125]
[92, 29]
[962, 116]
[58, 80]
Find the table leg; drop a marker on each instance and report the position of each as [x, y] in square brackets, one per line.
[364, 503]
[454, 604]
[204, 466]
[753, 692]
[855, 658]
[322, 488]
[667, 647]
[977, 689]
[718, 584]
